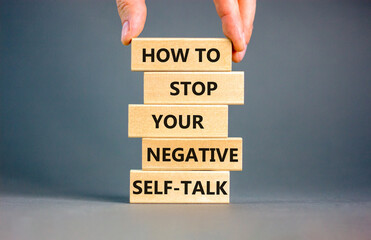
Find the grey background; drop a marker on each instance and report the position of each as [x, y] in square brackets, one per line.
[66, 83]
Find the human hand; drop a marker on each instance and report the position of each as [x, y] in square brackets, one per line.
[237, 21]
[237, 18]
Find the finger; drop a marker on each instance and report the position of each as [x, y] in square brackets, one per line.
[133, 15]
[247, 12]
[229, 14]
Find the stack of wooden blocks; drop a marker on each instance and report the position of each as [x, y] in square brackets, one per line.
[186, 152]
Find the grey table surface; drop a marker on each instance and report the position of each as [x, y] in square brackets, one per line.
[57, 217]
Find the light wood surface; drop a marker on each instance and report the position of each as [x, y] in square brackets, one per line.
[194, 88]
[179, 186]
[178, 120]
[181, 54]
[224, 154]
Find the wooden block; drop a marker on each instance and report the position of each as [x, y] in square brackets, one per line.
[178, 121]
[181, 54]
[194, 88]
[224, 154]
[179, 186]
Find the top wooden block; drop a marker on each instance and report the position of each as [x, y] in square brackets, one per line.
[181, 54]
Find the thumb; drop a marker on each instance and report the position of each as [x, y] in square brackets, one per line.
[133, 15]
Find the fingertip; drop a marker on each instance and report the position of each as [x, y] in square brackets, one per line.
[238, 56]
[125, 41]
[125, 38]
[239, 45]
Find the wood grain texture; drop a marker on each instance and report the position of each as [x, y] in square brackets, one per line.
[178, 154]
[194, 88]
[163, 54]
[179, 186]
[196, 120]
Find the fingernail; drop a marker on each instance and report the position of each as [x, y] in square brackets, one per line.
[125, 30]
[241, 54]
[242, 37]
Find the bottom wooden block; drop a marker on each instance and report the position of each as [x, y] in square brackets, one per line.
[179, 186]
